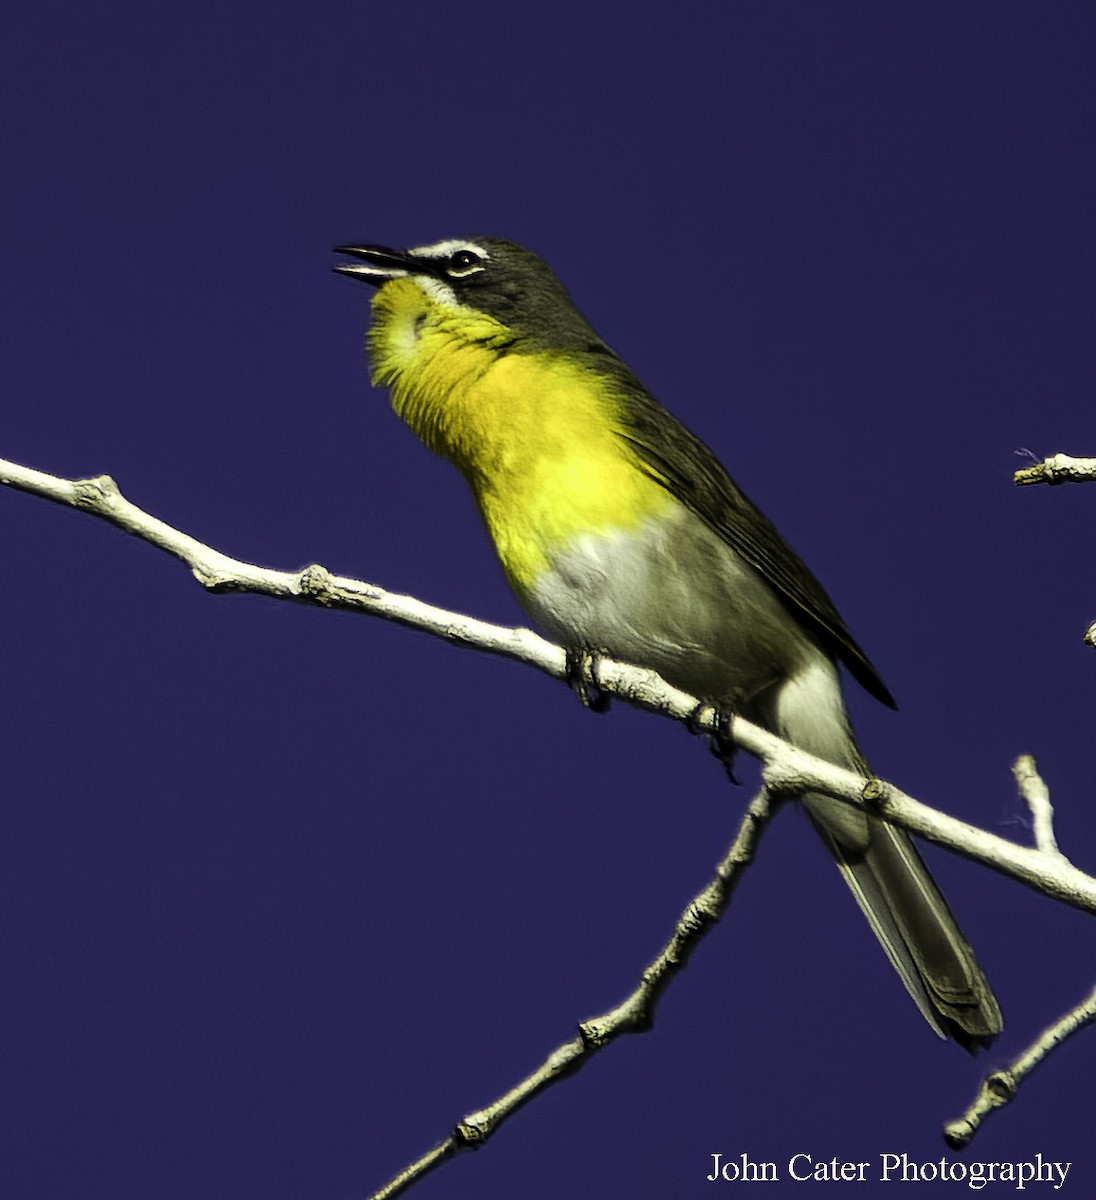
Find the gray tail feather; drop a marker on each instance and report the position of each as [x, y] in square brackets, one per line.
[916, 928]
[884, 871]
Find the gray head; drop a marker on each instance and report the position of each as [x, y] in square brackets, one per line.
[488, 274]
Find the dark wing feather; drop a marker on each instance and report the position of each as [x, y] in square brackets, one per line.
[684, 465]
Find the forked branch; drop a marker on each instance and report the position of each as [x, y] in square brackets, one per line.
[785, 771]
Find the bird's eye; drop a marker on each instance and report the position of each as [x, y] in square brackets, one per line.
[463, 262]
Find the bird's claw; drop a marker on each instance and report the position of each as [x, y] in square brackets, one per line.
[717, 732]
[582, 677]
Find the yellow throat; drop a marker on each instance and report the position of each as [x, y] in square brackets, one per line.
[535, 434]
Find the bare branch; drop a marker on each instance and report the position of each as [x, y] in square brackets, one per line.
[219, 573]
[1059, 468]
[785, 769]
[1001, 1087]
[635, 1014]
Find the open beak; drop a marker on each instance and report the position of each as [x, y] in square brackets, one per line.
[378, 264]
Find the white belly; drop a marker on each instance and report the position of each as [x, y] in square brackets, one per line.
[675, 597]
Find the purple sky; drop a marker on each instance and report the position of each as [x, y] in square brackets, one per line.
[286, 892]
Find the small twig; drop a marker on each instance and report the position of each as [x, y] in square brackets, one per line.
[1059, 468]
[635, 1014]
[1036, 795]
[1000, 1088]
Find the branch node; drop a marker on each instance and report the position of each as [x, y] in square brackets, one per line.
[702, 912]
[595, 1032]
[215, 581]
[1001, 1085]
[874, 794]
[959, 1134]
[314, 582]
[472, 1132]
[96, 494]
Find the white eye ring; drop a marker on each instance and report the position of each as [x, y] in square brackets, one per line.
[463, 262]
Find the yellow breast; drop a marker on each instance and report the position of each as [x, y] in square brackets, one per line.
[535, 434]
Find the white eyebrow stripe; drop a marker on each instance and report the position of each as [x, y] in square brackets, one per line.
[444, 249]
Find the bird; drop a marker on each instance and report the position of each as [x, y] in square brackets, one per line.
[622, 535]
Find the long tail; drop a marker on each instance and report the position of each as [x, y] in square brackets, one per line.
[887, 876]
[916, 928]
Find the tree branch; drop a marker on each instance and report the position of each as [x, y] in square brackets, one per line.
[1036, 794]
[785, 769]
[635, 1014]
[1059, 468]
[1000, 1087]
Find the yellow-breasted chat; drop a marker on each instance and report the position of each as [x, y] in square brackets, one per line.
[622, 534]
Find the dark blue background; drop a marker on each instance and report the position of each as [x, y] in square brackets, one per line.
[286, 892]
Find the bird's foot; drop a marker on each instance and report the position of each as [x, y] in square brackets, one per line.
[582, 677]
[718, 733]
